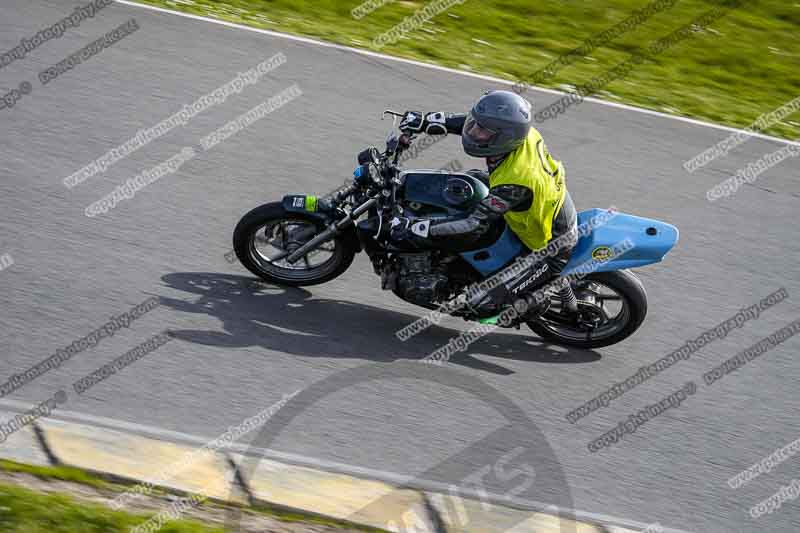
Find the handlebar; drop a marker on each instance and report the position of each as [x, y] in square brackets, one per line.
[393, 113]
[378, 171]
[386, 164]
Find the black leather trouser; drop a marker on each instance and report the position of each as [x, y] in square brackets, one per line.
[546, 270]
[565, 221]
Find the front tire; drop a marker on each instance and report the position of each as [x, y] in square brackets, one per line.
[272, 225]
[632, 300]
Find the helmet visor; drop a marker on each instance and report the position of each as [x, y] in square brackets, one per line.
[476, 132]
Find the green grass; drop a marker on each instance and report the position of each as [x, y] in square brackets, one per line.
[287, 515]
[102, 516]
[743, 65]
[63, 473]
[26, 511]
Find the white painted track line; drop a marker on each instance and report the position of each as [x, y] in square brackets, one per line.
[369, 53]
[331, 466]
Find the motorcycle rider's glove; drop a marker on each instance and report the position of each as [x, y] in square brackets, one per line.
[500, 200]
[430, 123]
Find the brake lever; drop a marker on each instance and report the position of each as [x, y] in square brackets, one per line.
[393, 113]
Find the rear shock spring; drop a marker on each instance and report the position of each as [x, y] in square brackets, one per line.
[568, 299]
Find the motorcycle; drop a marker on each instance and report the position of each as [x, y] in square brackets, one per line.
[305, 240]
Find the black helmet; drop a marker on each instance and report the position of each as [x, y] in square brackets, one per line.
[498, 123]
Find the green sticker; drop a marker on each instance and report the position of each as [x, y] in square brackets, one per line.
[311, 203]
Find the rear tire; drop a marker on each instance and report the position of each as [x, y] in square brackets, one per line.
[244, 238]
[630, 288]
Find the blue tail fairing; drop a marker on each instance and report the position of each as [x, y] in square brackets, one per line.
[651, 239]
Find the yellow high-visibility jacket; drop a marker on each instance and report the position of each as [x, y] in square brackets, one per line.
[531, 166]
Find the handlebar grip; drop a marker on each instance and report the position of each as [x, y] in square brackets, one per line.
[341, 194]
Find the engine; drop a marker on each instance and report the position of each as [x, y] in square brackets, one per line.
[419, 278]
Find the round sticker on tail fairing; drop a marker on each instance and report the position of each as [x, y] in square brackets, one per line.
[602, 253]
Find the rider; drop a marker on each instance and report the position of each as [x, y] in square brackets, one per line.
[526, 185]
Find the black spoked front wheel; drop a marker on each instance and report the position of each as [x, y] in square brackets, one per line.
[612, 306]
[268, 234]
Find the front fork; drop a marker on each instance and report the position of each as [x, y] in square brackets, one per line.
[333, 230]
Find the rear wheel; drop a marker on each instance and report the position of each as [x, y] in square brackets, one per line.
[612, 306]
[267, 234]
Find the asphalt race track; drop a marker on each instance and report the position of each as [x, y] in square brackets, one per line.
[240, 347]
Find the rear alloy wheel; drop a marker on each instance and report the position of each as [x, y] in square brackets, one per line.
[612, 306]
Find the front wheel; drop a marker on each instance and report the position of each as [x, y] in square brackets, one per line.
[612, 306]
[267, 234]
